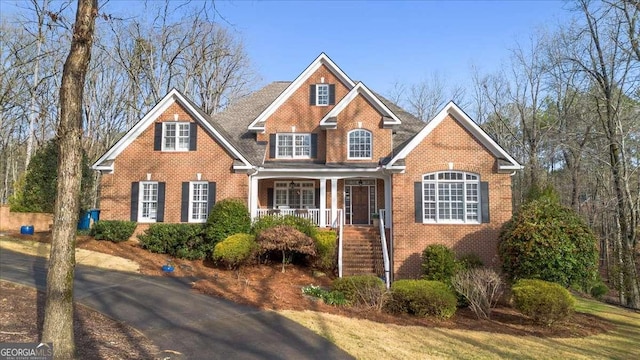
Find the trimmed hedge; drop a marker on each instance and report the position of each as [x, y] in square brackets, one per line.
[367, 290]
[326, 249]
[227, 217]
[185, 241]
[422, 298]
[235, 251]
[303, 225]
[543, 301]
[113, 230]
[438, 263]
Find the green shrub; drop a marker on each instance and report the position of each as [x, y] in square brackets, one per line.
[547, 241]
[599, 290]
[113, 230]
[362, 290]
[236, 250]
[304, 225]
[543, 301]
[326, 249]
[227, 217]
[469, 261]
[183, 241]
[422, 298]
[438, 263]
[329, 297]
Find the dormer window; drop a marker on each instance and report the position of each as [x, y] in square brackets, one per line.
[322, 94]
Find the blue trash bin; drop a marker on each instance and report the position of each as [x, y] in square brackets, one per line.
[95, 215]
[84, 221]
[26, 229]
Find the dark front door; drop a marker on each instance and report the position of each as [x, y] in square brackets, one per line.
[360, 205]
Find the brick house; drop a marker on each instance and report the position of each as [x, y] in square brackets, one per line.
[326, 148]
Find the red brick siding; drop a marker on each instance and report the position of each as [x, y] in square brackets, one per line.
[138, 159]
[449, 142]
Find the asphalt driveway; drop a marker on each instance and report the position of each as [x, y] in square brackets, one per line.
[175, 318]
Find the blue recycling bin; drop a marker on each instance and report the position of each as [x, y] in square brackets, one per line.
[26, 229]
[85, 221]
[95, 215]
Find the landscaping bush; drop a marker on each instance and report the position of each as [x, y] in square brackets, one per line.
[547, 241]
[285, 239]
[599, 290]
[543, 301]
[227, 217]
[236, 250]
[326, 249]
[469, 261]
[301, 224]
[438, 263]
[422, 298]
[481, 288]
[185, 241]
[329, 297]
[362, 290]
[113, 230]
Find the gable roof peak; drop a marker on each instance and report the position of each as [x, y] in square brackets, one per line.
[322, 59]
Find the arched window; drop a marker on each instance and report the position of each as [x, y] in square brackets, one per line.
[359, 144]
[451, 197]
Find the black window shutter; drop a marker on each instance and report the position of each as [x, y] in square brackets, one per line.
[417, 199]
[184, 205]
[272, 146]
[270, 198]
[135, 193]
[332, 94]
[161, 191]
[312, 95]
[314, 145]
[212, 195]
[157, 137]
[484, 201]
[318, 198]
[193, 136]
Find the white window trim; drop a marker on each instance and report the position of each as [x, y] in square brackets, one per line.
[293, 146]
[279, 185]
[464, 181]
[176, 137]
[318, 86]
[349, 157]
[191, 185]
[141, 185]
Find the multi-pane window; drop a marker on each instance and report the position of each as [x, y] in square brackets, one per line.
[295, 195]
[198, 201]
[451, 197]
[148, 201]
[293, 146]
[175, 136]
[359, 144]
[322, 94]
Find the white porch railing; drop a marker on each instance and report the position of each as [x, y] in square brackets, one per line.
[311, 214]
[340, 226]
[385, 251]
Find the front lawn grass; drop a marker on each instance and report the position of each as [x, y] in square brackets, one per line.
[365, 339]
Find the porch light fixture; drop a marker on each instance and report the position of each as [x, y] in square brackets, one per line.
[360, 182]
[292, 184]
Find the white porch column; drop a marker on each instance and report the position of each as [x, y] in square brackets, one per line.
[334, 200]
[387, 200]
[323, 202]
[253, 196]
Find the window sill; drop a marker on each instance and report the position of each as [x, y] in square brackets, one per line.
[450, 223]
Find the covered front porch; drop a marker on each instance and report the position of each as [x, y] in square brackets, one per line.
[348, 199]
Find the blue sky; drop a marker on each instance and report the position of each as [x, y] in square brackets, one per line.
[381, 42]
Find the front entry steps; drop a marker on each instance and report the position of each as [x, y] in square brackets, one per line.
[361, 251]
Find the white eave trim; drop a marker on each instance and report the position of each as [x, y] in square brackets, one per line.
[327, 121]
[173, 96]
[452, 109]
[258, 124]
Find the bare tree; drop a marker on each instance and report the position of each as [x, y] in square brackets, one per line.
[428, 97]
[58, 317]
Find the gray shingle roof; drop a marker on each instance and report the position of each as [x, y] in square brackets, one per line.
[234, 121]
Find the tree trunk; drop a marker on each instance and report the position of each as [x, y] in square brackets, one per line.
[58, 315]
